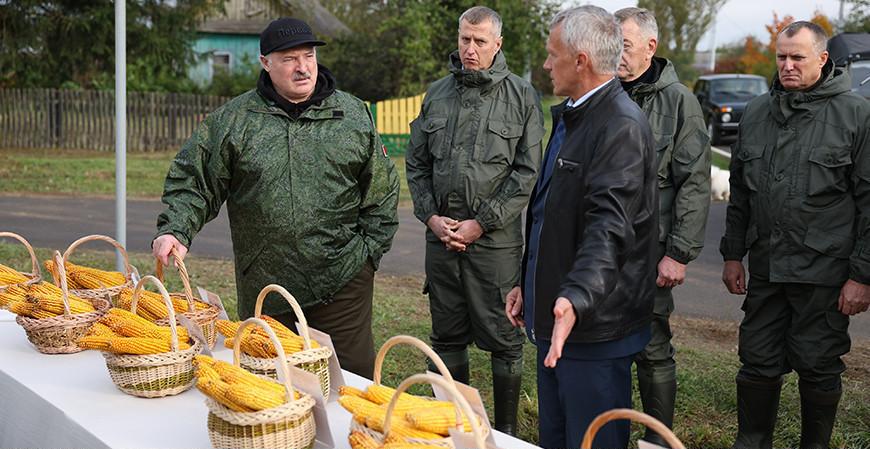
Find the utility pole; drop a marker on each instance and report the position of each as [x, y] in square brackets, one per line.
[712, 66]
[120, 129]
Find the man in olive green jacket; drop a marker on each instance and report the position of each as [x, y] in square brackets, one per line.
[800, 205]
[471, 164]
[310, 191]
[683, 153]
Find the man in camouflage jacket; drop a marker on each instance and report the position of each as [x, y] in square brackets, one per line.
[472, 160]
[683, 157]
[310, 192]
[800, 206]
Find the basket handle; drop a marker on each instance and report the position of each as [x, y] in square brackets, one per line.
[104, 238]
[182, 273]
[462, 406]
[411, 341]
[283, 369]
[33, 261]
[631, 415]
[303, 323]
[141, 286]
[64, 288]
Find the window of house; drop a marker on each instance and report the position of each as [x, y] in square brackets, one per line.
[220, 60]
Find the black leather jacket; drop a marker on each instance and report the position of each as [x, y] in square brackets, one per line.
[599, 238]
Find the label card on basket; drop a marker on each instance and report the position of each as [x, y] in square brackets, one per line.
[215, 300]
[473, 397]
[463, 440]
[642, 444]
[336, 379]
[310, 384]
[194, 332]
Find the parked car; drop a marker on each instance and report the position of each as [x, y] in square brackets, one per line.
[723, 98]
[852, 51]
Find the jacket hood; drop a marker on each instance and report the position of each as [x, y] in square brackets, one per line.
[667, 77]
[834, 81]
[478, 78]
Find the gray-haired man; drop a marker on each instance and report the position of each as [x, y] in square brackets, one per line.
[592, 225]
[683, 158]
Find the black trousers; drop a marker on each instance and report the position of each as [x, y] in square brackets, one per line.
[348, 321]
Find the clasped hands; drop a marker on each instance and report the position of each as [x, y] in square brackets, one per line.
[456, 235]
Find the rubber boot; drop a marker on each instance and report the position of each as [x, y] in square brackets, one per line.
[818, 412]
[658, 393]
[457, 364]
[757, 404]
[507, 379]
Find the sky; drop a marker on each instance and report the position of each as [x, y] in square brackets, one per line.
[739, 18]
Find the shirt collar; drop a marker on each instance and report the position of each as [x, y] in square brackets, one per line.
[573, 104]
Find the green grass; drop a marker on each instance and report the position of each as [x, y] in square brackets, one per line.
[63, 172]
[706, 355]
[721, 161]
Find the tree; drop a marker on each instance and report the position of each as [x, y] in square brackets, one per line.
[859, 18]
[69, 43]
[681, 24]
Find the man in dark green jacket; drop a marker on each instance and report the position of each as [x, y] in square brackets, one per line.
[800, 205]
[310, 191]
[683, 158]
[472, 161]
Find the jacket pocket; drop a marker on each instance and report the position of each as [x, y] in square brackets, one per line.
[828, 172]
[663, 158]
[436, 136]
[501, 142]
[829, 244]
[751, 156]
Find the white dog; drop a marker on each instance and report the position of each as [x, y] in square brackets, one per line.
[720, 185]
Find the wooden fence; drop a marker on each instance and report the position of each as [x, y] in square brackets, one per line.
[82, 119]
[85, 119]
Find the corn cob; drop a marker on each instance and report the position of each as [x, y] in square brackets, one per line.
[255, 399]
[100, 329]
[436, 420]
[362, 407]
[143, 346]
[54, 304]
[280, 329]
[9, 276]
[99, 342]
[399, 426]
[347, 390]
[229, 328]
[29, 309]
[234, 375]
[217, 390]
[128, 324]
[12, 294]
[359, 440]
[382, 394]
[86, 278]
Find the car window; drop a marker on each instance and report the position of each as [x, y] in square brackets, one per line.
[859, 71]
[737, 89]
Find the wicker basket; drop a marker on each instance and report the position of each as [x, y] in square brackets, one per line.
[203, 318]
[289, 426]
[462, 408]
[58, 335]
[313, 360]
[110, 293]
[35, 275]
[442, 368]
[631, 415]
[154, 375]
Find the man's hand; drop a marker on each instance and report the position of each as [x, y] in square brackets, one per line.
[513, 307]
[162, 246]
[444, 228]
[468, 231]
[671, 273]
[565, 319]
[734, 277]
[854, 298]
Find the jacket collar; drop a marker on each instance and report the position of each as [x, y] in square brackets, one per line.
[665, 77]
[482, 79]
[573, 116]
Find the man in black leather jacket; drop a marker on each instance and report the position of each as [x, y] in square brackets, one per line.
[589, 269]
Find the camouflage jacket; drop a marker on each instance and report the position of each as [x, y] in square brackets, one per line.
[309, 200]
[475, 150]
[800, 185]
[683, 156]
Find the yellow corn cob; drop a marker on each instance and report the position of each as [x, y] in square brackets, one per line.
[280, 329]
[399, 426]
[359, 440]
[436, 420]
[381, 394]
[228, 328]
[217, 390]
[99, 342]
[254, 399]
[128, 324]
[347, 390]
[10, 276]
[143, 346]
[12, 294]
[235, 375]
[54, 304]
[100, 329]
[362, 407]
[44, 288]
[125, 301]
[29, 309]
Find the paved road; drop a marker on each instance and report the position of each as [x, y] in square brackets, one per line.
[54, 222]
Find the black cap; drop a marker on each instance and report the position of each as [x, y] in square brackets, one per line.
[285, 33]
